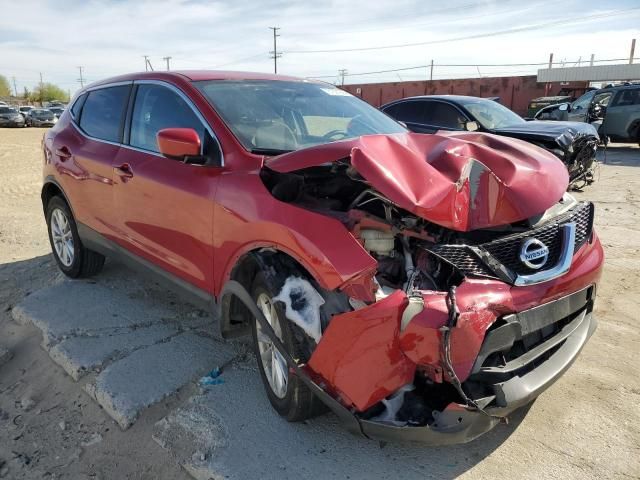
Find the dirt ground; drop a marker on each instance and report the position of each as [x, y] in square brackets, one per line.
[586, 426]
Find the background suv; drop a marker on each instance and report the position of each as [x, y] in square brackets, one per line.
[614, 110]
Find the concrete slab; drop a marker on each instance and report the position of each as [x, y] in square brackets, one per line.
[150, 374]
[5, 355]
[85, 308]
[232, 432]
[81, 355]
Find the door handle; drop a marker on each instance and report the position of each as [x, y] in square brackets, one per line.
[124, 170]
[63, 153]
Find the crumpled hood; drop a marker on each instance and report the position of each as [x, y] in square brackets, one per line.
[459, 180]
[564, 133]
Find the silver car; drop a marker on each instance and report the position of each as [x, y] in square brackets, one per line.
[41, 117]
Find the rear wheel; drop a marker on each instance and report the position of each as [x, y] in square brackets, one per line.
[71, 256]
[288, 395]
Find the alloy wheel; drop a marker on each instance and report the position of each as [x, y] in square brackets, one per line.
[273, 363]
[62, 237]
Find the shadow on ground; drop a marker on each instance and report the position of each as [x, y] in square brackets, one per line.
[620, 155]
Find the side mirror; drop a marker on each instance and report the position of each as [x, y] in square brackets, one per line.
[564, 107]
[179, 144]
[471, 126]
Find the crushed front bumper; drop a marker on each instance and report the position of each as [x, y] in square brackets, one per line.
[458, 423]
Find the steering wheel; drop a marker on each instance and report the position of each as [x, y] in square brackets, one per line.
[334, 133]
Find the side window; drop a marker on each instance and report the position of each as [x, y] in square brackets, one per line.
[77, 106]
[410, 111]
[156, 107]
[440, 114]
[103, 112]
[627, 97]
[602, 98]
[583, 101]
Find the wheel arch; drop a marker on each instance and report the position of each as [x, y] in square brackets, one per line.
[51, 188]
[234, 317]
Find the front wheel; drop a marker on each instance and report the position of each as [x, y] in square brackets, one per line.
[287, 393]
[71, 256]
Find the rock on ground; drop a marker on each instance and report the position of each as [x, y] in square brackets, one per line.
[5, 355]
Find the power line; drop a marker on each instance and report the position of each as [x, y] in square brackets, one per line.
[259, 55]
[274, 54]
[475, 65]
[508, 31]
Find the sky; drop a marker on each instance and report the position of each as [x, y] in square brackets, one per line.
[108, 38]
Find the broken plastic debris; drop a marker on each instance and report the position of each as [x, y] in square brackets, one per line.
[392, 405]
[212, 378]
[302, 303]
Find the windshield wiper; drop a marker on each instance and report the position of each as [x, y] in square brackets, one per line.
[269, 151]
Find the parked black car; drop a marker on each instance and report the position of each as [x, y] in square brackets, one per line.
[9, 117]
[574, 143]
[41, 117]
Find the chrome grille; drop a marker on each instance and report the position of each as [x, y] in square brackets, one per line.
[506, 250]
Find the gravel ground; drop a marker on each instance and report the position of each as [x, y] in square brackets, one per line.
[586, 426]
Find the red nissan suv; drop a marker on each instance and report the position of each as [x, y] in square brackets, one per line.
[419, 286]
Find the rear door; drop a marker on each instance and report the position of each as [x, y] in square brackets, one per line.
[427, 116]
[411, 113]
[165, 207]
[85, 151]
[622, 112]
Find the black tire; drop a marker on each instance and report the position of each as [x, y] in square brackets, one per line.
[298, 403]
[83, 262]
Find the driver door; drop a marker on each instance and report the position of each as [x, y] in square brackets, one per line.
[580, 108]
[164, 206]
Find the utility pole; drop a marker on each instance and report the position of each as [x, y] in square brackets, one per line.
[593, 56]
[81, 80]
[342, 72]
[166, 59]
[15, 89]
[633, 50]
[41, 88]
[274, 53]
[431, 71]
[147, 64]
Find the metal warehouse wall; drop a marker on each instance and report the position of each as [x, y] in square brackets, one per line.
[514, 92]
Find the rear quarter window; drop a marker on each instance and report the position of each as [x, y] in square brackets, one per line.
[77, 106]
[103, 112]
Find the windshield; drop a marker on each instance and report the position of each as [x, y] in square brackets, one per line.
[491, 115]
[279, 116]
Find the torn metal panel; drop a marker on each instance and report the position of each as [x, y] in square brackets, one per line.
[360, 356]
